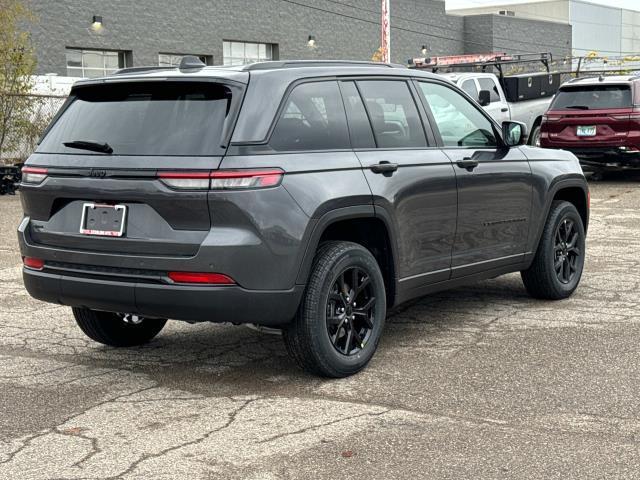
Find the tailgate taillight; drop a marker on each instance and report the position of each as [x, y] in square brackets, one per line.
[223, 179]
[34, 175]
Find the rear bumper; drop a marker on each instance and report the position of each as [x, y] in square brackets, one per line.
[605, 157]
[178, 302]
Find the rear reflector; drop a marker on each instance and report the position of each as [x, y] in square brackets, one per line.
[201, 278]
[33, 263]
[185, 180]
[33, 175]
[242, 179]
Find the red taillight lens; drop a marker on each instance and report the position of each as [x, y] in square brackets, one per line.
[33, 175]
[622, 117]
[185, 180]
[223, 179]
[550, 118]
[201, 278]
[243, 179]
[33, 263]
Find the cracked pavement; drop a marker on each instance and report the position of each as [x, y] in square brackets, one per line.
[478, 382]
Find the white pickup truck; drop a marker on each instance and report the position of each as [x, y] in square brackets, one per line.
[529, 112]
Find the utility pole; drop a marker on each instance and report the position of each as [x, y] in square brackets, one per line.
[385, 44]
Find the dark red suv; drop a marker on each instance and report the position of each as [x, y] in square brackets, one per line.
[598, 119]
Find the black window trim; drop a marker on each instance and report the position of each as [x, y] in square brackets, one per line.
[497, 128]
[344, 103]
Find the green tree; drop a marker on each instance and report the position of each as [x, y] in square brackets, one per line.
[17, 65]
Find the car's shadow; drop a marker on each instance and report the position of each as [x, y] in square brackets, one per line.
[190, 352]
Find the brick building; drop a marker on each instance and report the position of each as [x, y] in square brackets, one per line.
[94, 37]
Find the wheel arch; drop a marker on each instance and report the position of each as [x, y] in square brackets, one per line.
[536, 123]
[358, 224]
[574, 191]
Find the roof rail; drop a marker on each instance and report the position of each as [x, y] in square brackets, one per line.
[316, 63]
[123, 71]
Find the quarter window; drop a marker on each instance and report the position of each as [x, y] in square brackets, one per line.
[313, 119]
[95, 63]
[461, 124]
[393, 114]
[242, 53]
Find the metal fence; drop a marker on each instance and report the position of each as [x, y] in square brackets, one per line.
[25, 130]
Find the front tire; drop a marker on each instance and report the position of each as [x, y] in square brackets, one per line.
[534, 138]
[115, 329]
[557, 267]
[341, 318]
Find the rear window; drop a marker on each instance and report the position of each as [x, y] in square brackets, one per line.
[146, 118]
[593, 97]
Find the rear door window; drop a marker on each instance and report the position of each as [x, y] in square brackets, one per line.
[593, 97]
[393, 113]
[145, 118]
[313, 118]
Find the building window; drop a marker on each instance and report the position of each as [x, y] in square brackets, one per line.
[173, 59]
[241, 53]
[95, 63]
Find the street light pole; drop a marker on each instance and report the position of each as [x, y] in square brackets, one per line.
[385, 45]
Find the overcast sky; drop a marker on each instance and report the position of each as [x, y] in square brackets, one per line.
[631, 4]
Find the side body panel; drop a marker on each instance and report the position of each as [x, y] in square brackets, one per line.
[494, 205]
[552, 171]
[421, 200]
[318, 184]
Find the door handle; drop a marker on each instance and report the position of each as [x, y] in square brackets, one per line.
[468, 163]
[504, 109]
[384, 167]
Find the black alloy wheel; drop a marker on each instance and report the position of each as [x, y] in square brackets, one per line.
[342, 314]
[350, 311]
[557, 266]
[567, 252]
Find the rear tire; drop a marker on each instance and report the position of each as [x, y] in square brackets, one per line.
[340, 320]
[112, 329]
[557, 267]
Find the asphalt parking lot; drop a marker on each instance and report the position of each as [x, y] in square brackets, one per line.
[480, 382]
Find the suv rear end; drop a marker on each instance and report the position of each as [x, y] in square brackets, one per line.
[597, 119]
[127, 208]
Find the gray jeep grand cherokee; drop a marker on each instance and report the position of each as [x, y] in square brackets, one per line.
[306, 196]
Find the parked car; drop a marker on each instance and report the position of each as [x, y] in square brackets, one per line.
[598, 119]
[307, 196]
[486, 89]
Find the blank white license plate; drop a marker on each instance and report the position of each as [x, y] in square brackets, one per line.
[586, 131]
[103, 220]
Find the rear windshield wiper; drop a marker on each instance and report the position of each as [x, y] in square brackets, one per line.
[578, 107]
[92, 146]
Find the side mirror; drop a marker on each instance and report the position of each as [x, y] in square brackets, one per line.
[514, 133]
[484, 98]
